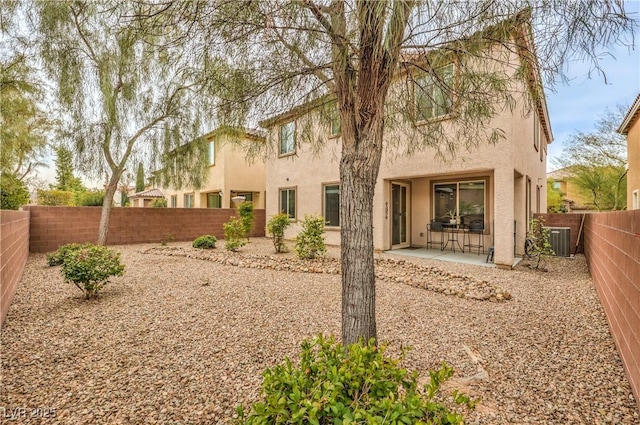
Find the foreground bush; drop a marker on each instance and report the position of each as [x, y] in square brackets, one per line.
[354, 385]
[276, 227]
[205, 242]
[234, 234]
[90, 267]
[310, 242]
[57, 258]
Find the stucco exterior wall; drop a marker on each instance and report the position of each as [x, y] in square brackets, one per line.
[633, 160]
[230, 172]
[505, 166]
[308, 171]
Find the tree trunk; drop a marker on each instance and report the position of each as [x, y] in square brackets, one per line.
[106, 208]
[359, 168]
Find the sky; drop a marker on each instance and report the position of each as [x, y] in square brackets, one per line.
[578, 105]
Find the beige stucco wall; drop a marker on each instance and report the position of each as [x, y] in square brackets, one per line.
[230, 172]
[505, 166]
[633, 160]
[308, 171]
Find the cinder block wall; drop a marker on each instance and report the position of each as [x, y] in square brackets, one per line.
[612, 248]
[566, 220]
[55, 226]
[14, 250]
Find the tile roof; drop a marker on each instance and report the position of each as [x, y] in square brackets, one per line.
[151, 193]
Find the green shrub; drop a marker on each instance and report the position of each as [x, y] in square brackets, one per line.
[159, 203]
[537, 243]
[354, 385]
[13, 192]
[90, 267]
[57, 258]
[245, 210]
[310, 242]
[234, 234]
[167, 238]
[205, 242]
[90, 198]
[276, 227]
[56, 197]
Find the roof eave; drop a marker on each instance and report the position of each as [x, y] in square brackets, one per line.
[631, 116]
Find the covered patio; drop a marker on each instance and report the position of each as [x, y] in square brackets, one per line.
[448, 255]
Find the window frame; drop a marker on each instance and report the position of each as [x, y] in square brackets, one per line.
[334, 115]
[193, 198]
[174, 201]
[434, 86]
[211, 153]
[214, 193]
[295, 201]
[324, 203]
[536, 132]
[471, 179]
[293, 142]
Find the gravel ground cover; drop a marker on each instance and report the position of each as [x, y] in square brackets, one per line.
[184, 340]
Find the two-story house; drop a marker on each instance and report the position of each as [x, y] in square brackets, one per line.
[229, 173]
[630, 127]
[498, 185]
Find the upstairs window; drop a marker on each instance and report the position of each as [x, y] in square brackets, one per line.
[536, 132]
[434, 94]
[212, 153]
[336, 121]
[287, 138]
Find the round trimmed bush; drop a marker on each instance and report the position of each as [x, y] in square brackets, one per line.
[205, 242]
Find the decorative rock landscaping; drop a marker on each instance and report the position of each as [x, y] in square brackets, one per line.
[178, 340]
[391, 270]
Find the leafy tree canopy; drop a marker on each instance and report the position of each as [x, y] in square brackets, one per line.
[65, 178]
[125, 93]
[24, 125]
[140, 178]
[13, 192]
[597, 161]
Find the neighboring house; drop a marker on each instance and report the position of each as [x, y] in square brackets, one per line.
[145, 198]
[229, 173]
[630, 127]
[574, 200]
[501, 185]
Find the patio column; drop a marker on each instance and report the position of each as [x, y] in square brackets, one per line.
[504, 196]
